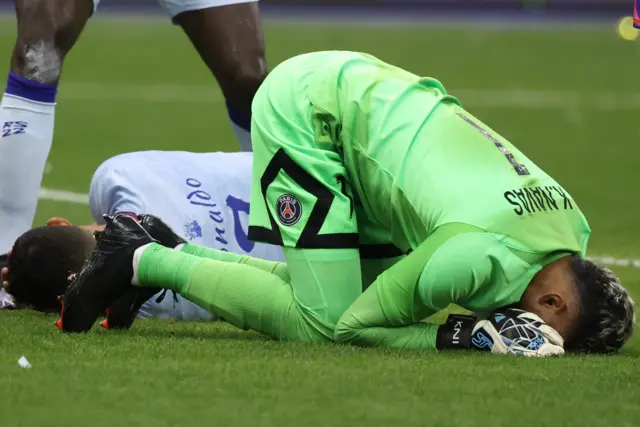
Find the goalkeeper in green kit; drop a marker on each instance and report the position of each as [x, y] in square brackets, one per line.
[391, 203]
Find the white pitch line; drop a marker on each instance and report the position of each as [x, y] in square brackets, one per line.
[618, 262]
[83, 199]
[64, 196]
[484, 98]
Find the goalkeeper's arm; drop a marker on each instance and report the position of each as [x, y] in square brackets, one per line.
[453, 265]
[390, 311]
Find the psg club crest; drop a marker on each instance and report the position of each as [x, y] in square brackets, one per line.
[289, 209]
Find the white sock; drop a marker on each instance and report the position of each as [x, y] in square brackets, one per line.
[26, 133]
[137, 256]
[244, 137]
[241, 126]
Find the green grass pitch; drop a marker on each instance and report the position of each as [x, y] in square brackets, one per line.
[568, 97]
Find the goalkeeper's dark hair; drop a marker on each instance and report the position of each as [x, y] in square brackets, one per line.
[41, 261]
[607, 316]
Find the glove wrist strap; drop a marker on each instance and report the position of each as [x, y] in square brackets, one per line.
[455, 333]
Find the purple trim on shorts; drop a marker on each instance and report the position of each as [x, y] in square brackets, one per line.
[28, 89]
[238, 118]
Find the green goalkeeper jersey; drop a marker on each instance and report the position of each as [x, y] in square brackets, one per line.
[350, 155]
[480, 217]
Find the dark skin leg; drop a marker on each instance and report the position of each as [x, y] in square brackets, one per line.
[47, 30]
[230, 41]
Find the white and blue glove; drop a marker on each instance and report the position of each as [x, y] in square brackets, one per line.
[507, 331]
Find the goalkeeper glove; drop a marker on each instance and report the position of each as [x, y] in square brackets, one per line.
[508, 331]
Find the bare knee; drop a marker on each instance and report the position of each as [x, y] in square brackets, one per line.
[47, 31]
[39, 61]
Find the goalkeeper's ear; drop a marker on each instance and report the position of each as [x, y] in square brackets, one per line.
[553, 296]
[555, 304]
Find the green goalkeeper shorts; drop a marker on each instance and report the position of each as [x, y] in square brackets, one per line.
[300, 194]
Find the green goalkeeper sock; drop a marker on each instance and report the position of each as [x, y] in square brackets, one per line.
[243, 295]
[277, 268]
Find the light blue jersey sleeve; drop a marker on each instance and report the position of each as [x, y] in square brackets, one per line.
[113, 189]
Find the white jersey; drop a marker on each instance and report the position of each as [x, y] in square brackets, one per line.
[204, 197]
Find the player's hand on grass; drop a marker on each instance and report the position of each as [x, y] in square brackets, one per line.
[4, 275]
[507, 331]
[6, 300]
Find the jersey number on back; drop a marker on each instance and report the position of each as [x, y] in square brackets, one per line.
[518, 167]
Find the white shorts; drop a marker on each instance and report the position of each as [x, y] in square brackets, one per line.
[173, 307]
[176, 7]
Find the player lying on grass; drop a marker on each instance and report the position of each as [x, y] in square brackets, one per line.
[204, 196]
[349, 150]
[226, 33]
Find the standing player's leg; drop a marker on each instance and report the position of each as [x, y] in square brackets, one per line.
[47, 29]
[228, 36]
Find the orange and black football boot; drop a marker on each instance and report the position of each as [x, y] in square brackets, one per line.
[123, 312]
[105, 276]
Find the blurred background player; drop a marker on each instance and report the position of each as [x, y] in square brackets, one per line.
[226, 33]
[204, 196]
